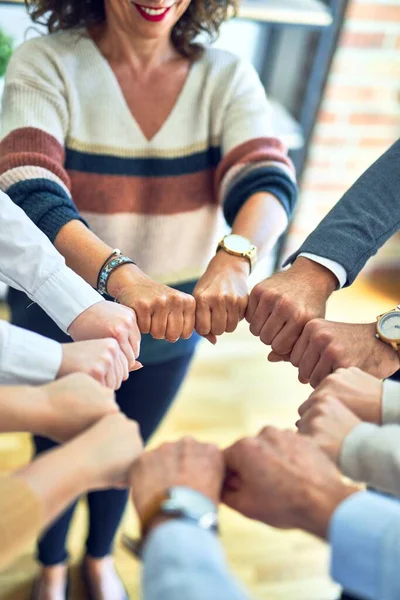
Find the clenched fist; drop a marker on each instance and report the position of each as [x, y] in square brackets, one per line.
[325, 346]
[162, 311]
[283, 304]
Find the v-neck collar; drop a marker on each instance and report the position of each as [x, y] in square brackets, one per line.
[101, 59]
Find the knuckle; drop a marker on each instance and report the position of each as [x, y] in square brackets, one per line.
[161, 301]
[259, 291]
[190, 302]
[314, 326]
[332, 352]
[284, 303]
[113, 347]
[143, 305]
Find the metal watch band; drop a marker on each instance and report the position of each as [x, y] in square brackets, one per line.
[136, 545]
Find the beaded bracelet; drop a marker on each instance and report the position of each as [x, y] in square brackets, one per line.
[118, 261]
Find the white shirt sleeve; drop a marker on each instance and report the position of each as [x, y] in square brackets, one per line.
[30, 263]
[26, 357]
[337, 270]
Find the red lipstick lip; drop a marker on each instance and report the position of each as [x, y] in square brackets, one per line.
[153, 18]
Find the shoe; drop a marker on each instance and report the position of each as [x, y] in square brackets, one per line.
[35, 587]
[91, 595]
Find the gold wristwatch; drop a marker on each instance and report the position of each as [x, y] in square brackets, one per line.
[237, 245]
[388, 328]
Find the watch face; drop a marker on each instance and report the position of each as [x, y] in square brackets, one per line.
[237, 243]
[389, 326]
[186, 501]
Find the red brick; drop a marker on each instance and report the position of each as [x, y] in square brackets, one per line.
[355, 39]
[319, 164]
[324, 187]
[374, 119]
[366, 68]
[374, 12]
[328, 141]
[371, 142]
[326, 117]
[357, 93]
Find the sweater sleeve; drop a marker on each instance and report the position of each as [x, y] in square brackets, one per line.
[371, 454]
[391, 402]
[253, 158]
[35, 122]
[362, 221]
[21, 518]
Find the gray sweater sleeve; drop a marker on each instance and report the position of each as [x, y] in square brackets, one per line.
[362, 221]
[391, 402]
[371, 454]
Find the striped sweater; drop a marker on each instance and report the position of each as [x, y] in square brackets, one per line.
[72, 149]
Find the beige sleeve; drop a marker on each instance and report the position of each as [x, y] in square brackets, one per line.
[21, 518]
[391, 402]
[371, 454]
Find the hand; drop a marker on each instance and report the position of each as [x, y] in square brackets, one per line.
[101, 359]
[72, 404]
[324, 346]
[109, 320]
[360, 392]
[280, 306]
[284, 480]
[221, 295]
[163, 312]
[187, 462]
[328, 422]
[108, 451]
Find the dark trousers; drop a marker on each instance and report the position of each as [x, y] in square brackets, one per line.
[145, 397]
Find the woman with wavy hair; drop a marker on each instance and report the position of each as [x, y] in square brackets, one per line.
[120, 130]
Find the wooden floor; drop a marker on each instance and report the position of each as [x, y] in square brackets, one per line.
[231, 392]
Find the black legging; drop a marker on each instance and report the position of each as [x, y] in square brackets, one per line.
[145, 397]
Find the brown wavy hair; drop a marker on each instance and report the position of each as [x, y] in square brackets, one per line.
[201, 16]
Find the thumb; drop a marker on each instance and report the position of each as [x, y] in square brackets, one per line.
[273, 357]
[137, 366]
[211, 338]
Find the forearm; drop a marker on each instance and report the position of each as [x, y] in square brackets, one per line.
[262, 220]
[22, 409]
[83, 251]
[56, 479]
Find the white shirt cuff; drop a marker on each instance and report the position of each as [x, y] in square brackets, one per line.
[64, 296]
[27, 357]
[333, 266]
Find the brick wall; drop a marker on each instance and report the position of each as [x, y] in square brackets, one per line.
[360, 114]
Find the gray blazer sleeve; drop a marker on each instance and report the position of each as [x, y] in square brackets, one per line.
[362, 221]
[371, 454]
[183, 562]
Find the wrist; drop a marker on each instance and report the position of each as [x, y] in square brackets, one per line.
[321, 505]
[126, 276]
[322, 278]
[42, 413]
[224, 260]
